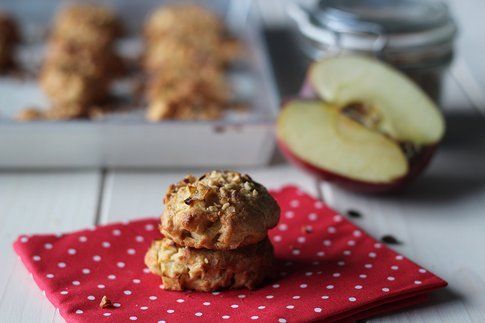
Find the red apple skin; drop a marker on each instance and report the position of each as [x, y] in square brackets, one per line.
[416, 167]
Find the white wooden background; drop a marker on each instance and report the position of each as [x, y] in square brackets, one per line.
[440, 219]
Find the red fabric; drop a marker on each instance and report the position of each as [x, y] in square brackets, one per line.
[328, 270]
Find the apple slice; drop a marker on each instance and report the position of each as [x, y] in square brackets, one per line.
[374, 131]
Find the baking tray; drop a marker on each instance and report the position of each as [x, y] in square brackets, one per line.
[126, 139]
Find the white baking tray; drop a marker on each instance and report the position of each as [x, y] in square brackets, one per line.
[127, 139]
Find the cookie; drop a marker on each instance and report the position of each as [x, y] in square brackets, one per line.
[220, 210]
[205, 270]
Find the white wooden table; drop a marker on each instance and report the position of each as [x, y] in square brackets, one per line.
[440, 219]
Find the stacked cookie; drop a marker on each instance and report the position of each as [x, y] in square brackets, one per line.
[215, 233]
[80, 62]
[9, 38]
[186, 52]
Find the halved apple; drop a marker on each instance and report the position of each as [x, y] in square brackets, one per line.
[373, 129]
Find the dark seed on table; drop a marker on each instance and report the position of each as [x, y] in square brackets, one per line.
[354, 214]
[389, 239]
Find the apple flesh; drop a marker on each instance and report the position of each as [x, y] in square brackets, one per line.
[372, 130]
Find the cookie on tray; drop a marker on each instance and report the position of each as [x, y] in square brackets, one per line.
[184, 268]
[219, 210]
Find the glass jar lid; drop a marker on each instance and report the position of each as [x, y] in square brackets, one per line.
[375, 25]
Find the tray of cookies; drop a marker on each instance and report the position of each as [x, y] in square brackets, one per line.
[118, 84]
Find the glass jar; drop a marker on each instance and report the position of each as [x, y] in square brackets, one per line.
[415, 36]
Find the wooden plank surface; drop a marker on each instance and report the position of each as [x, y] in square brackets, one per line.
[38, 203]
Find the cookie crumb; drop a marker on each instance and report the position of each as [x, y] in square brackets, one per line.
[389, 239]
[307, 229]
[105, 302]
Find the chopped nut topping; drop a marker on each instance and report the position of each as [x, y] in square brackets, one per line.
[105, 302]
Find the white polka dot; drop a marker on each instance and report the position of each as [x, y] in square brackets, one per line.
[276, 285]
[225, 317]
[301, 239]
[308, 273]
[357, 233]
[24, 239]
[347, 252]
[385, 289]
[180, 300]
[320, 254]
[106, 244]
[394, 267]
[71, 251]
[303, 286]
[116, 305]
[351, 242]
[295, 252]
[50, 276]
[146, 271]
[61, 265]
[216, 293]
[101, 286]
[377, 245]
[261, 307]
[149, 227]
[136, 281]
[170, 311]
[97, 258]
[336, 274]
[127, 292]
[289, 214]
[116, 232]
[417, 282]
[120, 264]
[64, 292]
[296, 297]
[294, 203]
[317, 309]
[36, 258]
[363, 276]
[390, 278]
[341, 263]
[282, 320]
[399, 257]
[372, 254]
[76, 283]
[48, 246]
[254, 317]
[312, 216]
[358, 286]
[91, 298]
[368, 266]
[327, 243]
[283, 227]
[206, 303]
[277, 238]
[325, 297]
[107, 314]
[131, 251]
[331, 230]
[330, 286]
[269, 296]
[111, 277]
[241, 296]
[234, 306]
[133, 318]
[152, 298]
[198, 314]
[422, 271]
[86, 271]
[139, 239]
[290, 307]
[352, 299]
[79, 312]
[83, 239]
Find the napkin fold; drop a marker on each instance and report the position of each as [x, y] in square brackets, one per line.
[327, 270]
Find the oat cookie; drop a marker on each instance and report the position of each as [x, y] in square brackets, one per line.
[208, 270]
[219, 210]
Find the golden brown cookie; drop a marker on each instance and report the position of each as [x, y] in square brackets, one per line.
[219, 210]
[208, 270]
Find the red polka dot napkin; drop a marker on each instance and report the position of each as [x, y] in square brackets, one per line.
[328, 269]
